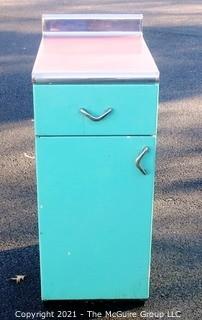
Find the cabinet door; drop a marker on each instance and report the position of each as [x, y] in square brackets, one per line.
[95, 215]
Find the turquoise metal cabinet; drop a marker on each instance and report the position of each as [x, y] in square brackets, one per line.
[95, 161]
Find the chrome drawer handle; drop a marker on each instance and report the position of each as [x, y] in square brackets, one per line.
[94, 118]
[139, 158]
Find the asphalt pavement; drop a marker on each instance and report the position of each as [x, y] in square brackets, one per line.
[173, 31]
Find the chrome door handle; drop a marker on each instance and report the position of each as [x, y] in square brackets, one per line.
[95, 118]
[139, 158]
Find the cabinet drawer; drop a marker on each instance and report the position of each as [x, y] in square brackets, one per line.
[61, 109]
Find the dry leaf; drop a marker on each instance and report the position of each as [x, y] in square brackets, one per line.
[18, 278]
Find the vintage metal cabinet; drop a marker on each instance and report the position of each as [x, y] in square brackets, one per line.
[95, 88]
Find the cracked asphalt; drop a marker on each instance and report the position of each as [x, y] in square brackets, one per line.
[173, 30]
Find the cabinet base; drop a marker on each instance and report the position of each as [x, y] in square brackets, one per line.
[98, 304]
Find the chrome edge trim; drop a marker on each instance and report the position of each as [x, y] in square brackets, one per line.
[93, 80]
[90, 33]
[129, 16]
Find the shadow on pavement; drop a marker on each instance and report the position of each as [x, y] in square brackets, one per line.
[25, 296]
[167, 280]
